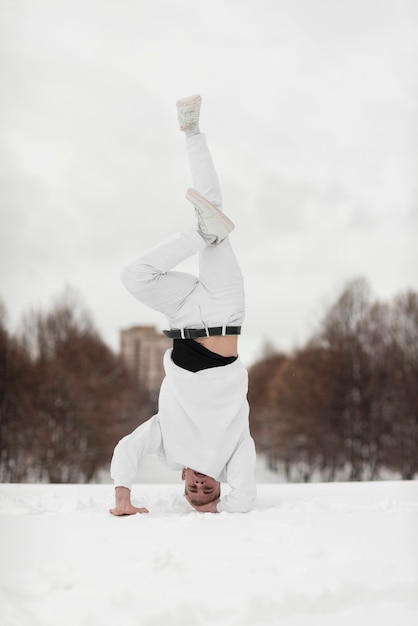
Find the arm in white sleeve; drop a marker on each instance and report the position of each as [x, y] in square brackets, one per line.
[240, 475]
[146, 439]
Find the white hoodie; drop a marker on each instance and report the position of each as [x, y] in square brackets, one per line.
[202, 423]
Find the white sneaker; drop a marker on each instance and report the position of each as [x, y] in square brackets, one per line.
[214, 225]
[188, 110]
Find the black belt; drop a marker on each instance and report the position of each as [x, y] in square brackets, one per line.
[195, 333]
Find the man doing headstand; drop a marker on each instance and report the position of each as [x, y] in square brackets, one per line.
[202, 424]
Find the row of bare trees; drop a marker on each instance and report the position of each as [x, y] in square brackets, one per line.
[345, 405]
[65, 398]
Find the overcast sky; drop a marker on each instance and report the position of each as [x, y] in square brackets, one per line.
[309, 107]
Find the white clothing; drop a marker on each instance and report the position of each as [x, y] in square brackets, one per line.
[204, 176]
[202, 423]
[202, 420]
[216, 296]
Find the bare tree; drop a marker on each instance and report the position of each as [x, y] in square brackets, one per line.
[74, 397]
[266, 424]
[15, 406]
[403, 446]
[346, 403]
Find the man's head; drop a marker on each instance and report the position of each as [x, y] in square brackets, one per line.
[199, 488]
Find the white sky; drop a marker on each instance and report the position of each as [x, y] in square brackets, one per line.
[310, 109]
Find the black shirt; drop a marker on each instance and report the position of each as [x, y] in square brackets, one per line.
[192, 356]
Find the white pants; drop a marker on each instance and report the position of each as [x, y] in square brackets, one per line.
[216, 296]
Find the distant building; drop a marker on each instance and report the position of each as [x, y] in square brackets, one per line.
[142, 349]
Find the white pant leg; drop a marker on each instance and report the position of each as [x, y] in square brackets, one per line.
[221, 286]
[151, 280]
[217, 296]
[221, 291]
[204, 176]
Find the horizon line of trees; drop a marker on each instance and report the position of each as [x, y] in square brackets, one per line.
[344, 405]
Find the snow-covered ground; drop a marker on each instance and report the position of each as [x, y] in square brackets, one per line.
[338, 554]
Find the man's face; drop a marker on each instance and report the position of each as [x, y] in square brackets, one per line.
[199, 488]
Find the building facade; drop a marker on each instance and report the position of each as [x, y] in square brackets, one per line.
[142, 349]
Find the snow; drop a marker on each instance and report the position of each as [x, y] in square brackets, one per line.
[309, 554]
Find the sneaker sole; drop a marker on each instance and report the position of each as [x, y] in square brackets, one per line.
[197, 199]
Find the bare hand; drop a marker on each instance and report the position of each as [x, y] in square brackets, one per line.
[123, 503]
[128, 510]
